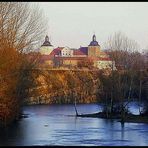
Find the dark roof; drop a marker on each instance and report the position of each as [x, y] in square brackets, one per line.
[79, 52]
[46, 42]
[94, 42]
[84, 50]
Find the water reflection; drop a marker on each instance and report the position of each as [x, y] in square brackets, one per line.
[122, 131]
[57, 125]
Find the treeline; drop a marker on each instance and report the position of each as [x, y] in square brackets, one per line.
[120, 88]
[21, 27]
[130, 81]
[64, 86]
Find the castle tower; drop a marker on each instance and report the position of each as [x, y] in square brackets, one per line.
[93, 48]
[46, 47]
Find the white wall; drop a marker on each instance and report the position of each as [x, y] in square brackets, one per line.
[66, 52]
[46, 50]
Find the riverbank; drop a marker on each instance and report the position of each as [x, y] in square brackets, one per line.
[129, 118]
[137, 119]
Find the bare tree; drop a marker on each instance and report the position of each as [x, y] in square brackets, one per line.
[21, 28]
[21, 25]
[120, 46]
[124, 52]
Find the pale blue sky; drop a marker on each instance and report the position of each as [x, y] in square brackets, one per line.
[73, 23]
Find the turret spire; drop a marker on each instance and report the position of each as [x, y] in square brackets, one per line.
[47, 38]
[94, 37]
[94, 42]
[46, 42]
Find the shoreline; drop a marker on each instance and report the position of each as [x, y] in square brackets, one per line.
[130, 118]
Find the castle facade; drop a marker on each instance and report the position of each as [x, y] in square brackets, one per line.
[68, 57]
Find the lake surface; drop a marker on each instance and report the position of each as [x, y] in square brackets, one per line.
[57, 125]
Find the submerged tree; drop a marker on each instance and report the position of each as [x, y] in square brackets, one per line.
[123, 51]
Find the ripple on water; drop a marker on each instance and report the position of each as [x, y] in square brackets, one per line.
[58, 126]
[104, 142]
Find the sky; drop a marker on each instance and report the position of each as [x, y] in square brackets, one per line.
[72, 24]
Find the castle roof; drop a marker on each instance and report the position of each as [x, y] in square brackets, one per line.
[94, 42]
[81, 51]
[46, 42]
[56, 51]
[84, 50]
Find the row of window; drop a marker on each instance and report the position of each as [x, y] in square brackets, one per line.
[66, 54]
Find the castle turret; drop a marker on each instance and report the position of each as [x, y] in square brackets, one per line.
[46, 47]
[93, 48]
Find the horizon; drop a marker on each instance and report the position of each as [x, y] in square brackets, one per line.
[71, 24]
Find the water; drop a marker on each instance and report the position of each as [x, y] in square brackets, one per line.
[57, 125]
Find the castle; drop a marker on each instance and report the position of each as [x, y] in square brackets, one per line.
[67, 57]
